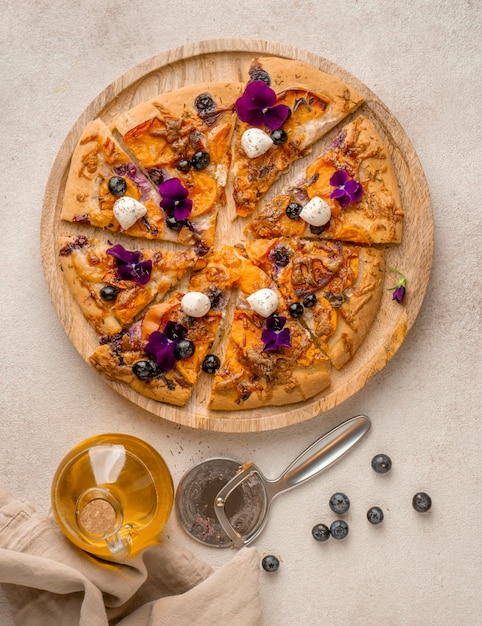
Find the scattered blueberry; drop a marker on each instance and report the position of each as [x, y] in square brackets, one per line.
[211, 363]
[321, 532]
[375, 515]
[108, 293]
[296, 309]
[260, 75]
[117, 186]
[184, 165]
[156, 175]
[293, 210]
[381, 463]
[339, 503]
[270, 563]
[281, 256]
[310, 300]
[200, 160]
[422, 502]
[144, 370]
[279, 137]
[184, 349]
[339, 529]
[204, 103]
[317, 230]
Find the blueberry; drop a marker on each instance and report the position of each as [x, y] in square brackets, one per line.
[381, 463]
[144, 370]
[293, 210]
[422, 502]
[200, 160]
[375, 515]
[279, 137]
[339, 503]
[281, 256]
[184, 349]
[310, 300]
[156, 175]
[184, 165]
[204, 103]
[270, 563]
[296, 309]
[117, 186]
[211, 363]
[108, 293]
[317, 230]
[321, 532]
[339, 529]
[260, 75]
[173, 224]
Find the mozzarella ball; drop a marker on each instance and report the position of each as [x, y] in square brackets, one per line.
[264, 301]
[128, 210]
[255, 142]
[316, 212]
[195, 303]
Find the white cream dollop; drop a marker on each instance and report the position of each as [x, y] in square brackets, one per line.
[316, 212]
[195, 303]
[128, 210]
[255, 142]
[264, 301]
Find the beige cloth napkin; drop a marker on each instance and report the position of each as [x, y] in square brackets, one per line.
[48, 581]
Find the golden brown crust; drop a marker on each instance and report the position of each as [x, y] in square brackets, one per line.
[317, 102]
[375, 219]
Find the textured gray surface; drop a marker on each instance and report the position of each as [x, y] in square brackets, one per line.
[424, 61]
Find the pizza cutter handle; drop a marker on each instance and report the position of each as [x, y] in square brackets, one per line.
[324, 452]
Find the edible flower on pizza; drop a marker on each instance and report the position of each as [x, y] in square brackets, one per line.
[275, 336]
[257, 107]
[346, 190]
[161, 346]
[175, 201]
[130, 265]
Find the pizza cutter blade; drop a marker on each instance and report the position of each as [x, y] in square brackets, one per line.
[221, 502]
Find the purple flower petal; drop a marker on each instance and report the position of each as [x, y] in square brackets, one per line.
[354, 190]
[172, 188]
[341, 197]
[175, 331]
[182, 210]
[249, 115]
[125, 256]
[339, 178]
[275, 322]
[275, 117]
[284, 338]
[259, 94]
[269, 339]
[399, 294]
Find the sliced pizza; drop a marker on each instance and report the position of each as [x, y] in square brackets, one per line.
[333, 288]
[185, 135]
[349, 193]
[112, 284]
[106, 189]
[162, 355]
[286, 107]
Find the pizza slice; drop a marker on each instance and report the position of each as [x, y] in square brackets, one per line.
[106, 189]
[286, 107]
[349, 193]
[334, 289]
[185, 135]
[262, 358]
[161, 356]
[112, 285]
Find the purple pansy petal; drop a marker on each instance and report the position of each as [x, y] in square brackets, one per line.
[341, 197]
[172, 188]
[269, 337]
[156, 341]
[276, 116]
[168, 205]
[165, 357]
[354, 190]
[339, 178]
[249, 115]
[259, 94]
[125, 256]
[284, 338]
[275, 322]
[399, 294]
[182, 210]
[175, 331]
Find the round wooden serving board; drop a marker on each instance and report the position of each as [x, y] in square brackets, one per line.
[228, 60]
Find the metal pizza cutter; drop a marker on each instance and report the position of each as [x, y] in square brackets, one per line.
[221, 502]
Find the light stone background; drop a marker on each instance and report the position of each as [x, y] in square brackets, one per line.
[423, 60]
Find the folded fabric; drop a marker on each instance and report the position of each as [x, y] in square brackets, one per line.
[47, 580]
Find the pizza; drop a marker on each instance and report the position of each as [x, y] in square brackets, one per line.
[357, 154]
[263, 320]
